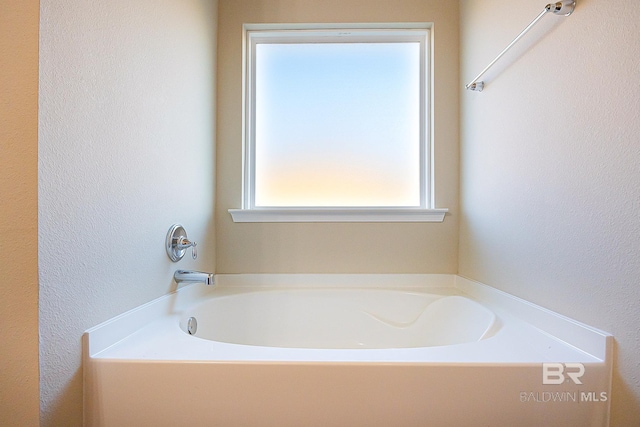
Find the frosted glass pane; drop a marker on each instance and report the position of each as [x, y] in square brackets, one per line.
[337, 124]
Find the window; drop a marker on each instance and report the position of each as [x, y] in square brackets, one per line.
[337, 124]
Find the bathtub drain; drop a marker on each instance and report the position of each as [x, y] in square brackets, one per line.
[192, 325]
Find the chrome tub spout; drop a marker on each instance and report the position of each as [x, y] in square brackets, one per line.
[189, 276]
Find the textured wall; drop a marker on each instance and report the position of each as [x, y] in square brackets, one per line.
[335, 247]
[126, 148]
[550, 160]
[19, 213]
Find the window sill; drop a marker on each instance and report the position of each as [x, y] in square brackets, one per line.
[338, 215]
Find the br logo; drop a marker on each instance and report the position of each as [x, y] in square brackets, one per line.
[554, 373]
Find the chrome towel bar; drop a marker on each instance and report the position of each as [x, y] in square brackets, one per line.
[564, 7]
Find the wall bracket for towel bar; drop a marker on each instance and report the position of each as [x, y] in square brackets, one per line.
[564, 7]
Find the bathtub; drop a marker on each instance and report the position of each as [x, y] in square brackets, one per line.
[345, 350]
[340, 319]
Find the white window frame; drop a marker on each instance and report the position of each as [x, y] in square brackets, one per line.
[381, 33]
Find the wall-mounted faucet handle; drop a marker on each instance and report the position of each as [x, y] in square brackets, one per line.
[184, 243]
[177, 243]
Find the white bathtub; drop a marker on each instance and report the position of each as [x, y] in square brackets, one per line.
[341, 319]
[345, 350]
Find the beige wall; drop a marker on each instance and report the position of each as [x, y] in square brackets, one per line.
[550, 161]
[126, 149]
[336, 247]
[19, 393]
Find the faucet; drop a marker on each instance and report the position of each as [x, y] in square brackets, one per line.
[177, 243]
[189, 276]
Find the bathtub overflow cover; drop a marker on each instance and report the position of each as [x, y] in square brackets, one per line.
[192, 325]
